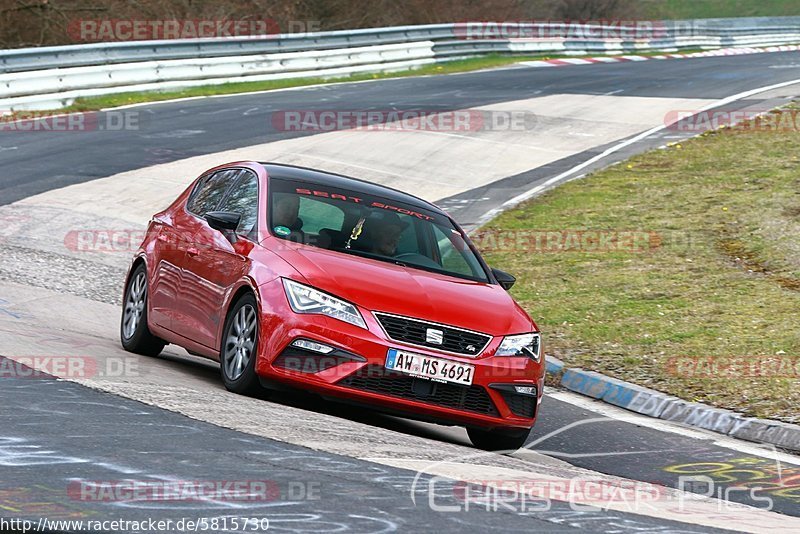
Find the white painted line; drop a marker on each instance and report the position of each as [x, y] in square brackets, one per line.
[373, 169]
[616, 148]
[188, 98]
[540, 63]
[536, 63]
[620, 414]
[575, 61]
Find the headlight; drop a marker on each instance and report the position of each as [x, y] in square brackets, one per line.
[305, 299]
[523, 345]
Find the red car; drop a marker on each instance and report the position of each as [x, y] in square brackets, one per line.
[355, 291]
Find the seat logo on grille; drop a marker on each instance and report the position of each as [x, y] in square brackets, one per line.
[433, 336]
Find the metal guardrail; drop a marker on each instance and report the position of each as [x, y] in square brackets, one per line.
[51, 77]
[51, 57]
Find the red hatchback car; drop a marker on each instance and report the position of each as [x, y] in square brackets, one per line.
[358, 292]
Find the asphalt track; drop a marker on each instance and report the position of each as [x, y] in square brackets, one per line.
[307, 490]
[34, 162]
[101, 433]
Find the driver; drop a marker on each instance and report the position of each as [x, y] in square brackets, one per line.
[285, 210]
[383, 231]
[285, 218]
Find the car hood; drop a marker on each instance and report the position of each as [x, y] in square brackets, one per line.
[382, 286]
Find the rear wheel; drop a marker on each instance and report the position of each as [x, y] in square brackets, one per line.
[134, 333]
[498, 440]
[240, 346]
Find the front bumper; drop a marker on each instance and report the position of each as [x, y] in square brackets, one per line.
[355, 371]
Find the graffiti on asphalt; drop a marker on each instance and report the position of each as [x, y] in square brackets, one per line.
[762, 476]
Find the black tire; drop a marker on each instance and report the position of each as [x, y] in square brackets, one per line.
[137, 337]
[242, 378]
[498, 440]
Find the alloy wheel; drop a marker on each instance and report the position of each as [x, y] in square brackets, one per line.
[240, 341]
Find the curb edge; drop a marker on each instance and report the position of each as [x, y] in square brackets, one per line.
[652, 403]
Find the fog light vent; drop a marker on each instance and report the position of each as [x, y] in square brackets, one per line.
[312, 346]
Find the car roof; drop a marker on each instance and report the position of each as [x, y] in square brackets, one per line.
[304, 174]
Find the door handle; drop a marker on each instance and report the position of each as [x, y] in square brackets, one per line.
[192, 251]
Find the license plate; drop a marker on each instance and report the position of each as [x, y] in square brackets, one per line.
[437, 369]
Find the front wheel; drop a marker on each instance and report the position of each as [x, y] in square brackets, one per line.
[240, 347]
[134, 333]
[498, 440]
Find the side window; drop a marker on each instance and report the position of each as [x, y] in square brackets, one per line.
[409, 240]
[452, 259]
[209, 191]
[243, 199]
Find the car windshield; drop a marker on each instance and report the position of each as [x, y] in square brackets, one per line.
[352, 222]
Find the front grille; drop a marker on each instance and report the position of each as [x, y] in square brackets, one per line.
[377, 379]
[415, 332]
[520, 405]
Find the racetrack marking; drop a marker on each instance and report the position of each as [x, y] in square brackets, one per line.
[620, 414]
[189, 385]
[522, 64]
[433, 166]
[298, 88]
[497, 142]
[19, 452]
[340, 162]
[203, 389]
[564, 62]
[169, 383]
[674, 505]
[616, 148]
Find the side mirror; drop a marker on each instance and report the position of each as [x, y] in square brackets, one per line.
[506, 280]
[224, 221]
